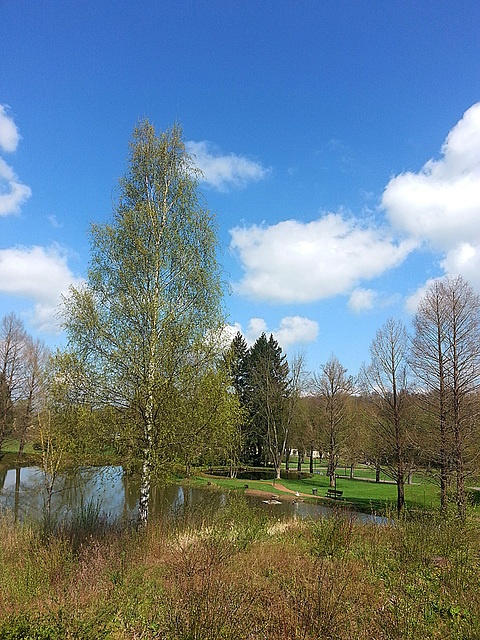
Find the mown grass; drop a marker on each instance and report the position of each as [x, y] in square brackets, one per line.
[11, 446]
[237, 574]
[369, 497]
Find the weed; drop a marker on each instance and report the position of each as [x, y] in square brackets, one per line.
[331, 536]
[240, 575]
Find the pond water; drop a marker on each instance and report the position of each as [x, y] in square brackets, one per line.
[22, 490]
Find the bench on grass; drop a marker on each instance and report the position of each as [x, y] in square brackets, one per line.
[333, 493]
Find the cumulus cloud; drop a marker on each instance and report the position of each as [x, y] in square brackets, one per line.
[12, 192]
[292, 330]
[256, 327]
[9, 136]
[294, 261]
[362, 299]
[464, 260]
[440, 205]
[41, 275]
[296, 330]
[223, 171]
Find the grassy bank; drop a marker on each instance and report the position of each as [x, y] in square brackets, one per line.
[238, 574]
[366, 496]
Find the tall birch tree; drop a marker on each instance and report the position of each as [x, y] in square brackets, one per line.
[153, 293]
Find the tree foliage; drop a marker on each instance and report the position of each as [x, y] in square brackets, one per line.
[153, 295]
[268, 390]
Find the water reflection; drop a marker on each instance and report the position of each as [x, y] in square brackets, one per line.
[22, 490]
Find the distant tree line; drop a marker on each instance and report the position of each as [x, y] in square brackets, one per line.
[415, 404]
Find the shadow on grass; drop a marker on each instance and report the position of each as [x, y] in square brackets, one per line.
[473, 497]
[369, 505]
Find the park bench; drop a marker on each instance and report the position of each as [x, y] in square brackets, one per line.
[333, 493]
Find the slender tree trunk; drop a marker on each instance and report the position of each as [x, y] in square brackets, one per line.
[400, 463]
[410, 472]
[400, 493]
[144, 490]
[352, 468]
[125, 496]
[311, 460]
[331, 453]
[332, 476]
[457, 420]
[460, 477]
[299, 462]
[17, 492]
[287, 459]
[377, 470]
[49, 483]
[3, 423]
[143, 505]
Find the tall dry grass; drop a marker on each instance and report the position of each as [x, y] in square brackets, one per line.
[240, 575]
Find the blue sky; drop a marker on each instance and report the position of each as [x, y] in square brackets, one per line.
[340, 142]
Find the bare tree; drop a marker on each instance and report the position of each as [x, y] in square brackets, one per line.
[386, 379]
[429, 361]
[446, 360]
[12, 342]
[333, 388]
[34, 358]
[463, 375]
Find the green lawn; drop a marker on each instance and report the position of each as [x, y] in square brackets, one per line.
[11, 446]
[362, 495]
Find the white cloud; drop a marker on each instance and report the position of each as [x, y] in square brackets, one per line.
[296, 330]
[412, 302]
[294, 261]
[441, 203]
[362, 300]
[464, 260]
[12, 192]
[9, 136]
[224, 171]
[256, 327]
[292, 330]
[228, 333]
[41, 275]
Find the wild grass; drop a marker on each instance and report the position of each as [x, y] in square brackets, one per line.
[238, 574]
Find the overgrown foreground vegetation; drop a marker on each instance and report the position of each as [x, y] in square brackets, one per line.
[240, 574]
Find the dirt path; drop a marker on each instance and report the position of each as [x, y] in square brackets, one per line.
[254, 488]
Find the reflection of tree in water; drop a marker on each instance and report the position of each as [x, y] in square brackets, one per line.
[21, 490]
[3, 475]
[100, 485]
[17, 492]
[131, 489]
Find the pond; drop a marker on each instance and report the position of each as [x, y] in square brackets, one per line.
[22, 490]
